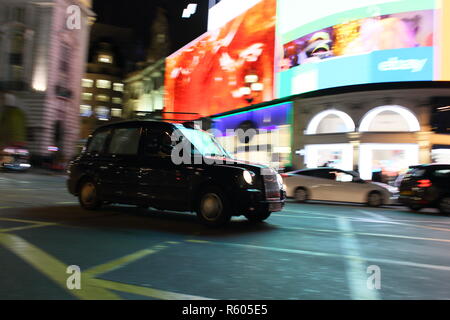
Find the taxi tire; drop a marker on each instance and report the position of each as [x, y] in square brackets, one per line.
[96, 202]
[213, 199]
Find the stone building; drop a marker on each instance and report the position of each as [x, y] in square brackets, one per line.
[43, 46]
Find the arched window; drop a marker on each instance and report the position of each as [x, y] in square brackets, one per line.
[389, 119]
[331, 121]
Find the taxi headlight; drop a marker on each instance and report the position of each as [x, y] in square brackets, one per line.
[248, 176]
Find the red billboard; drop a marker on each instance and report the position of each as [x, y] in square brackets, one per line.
[224, 69]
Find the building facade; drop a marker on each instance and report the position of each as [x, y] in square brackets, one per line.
[102, 90]
[43, 46]
[144, 87]
[144, 91]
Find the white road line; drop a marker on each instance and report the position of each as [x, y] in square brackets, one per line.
[381, 235]
[374, 215]
[355, 269]
[296, 214]
[333, 255]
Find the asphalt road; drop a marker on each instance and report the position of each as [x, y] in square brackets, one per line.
[308, 251]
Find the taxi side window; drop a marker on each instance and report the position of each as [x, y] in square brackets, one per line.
[158, 143]
[125, 141]
[98, 141]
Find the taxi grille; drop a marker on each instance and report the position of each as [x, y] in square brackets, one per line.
[271, 187]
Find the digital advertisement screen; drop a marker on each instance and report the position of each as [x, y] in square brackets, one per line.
[341, 43]
[225, 69]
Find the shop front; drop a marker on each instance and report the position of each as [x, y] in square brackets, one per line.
[261, 135]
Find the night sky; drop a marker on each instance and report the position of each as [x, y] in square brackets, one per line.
[139, 14]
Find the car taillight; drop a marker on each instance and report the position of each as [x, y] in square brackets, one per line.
[424, 183]
[284, 175]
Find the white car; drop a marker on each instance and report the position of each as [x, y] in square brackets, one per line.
[329, 184]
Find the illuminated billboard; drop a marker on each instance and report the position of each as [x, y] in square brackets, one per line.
[226, 68]
[330, 43]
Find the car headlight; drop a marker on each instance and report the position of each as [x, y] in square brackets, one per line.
[248, 176]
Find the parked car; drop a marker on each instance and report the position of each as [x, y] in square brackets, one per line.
[132, 162]
[427, 186]
[15, 158]
[330, 184]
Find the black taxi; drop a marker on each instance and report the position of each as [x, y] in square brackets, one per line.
[170, 166]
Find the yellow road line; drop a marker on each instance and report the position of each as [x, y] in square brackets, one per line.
[27, 227]
[52, 268]
[143, 291]
[41, 223]
[198, 241]
[118, 263]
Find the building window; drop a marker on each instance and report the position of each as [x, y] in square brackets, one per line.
[85, 110]
[105, 58]
[117, 100]
[87, 83]
[117, 113]
[118, 87]
[102, 113]
[16, 57]
[331, 121]
[389, 119]
[86, 96]
[19, 14]
[65, 59]
[102, 98]
[104, 84]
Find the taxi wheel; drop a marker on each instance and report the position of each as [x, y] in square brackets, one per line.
[88, 196]
[258, 216]
[444, 205]
[213, 207]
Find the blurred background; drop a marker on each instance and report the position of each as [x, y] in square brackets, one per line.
[361, 87]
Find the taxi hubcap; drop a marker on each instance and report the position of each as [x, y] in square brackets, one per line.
[211, 206]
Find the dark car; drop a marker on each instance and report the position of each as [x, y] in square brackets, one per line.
[172, 167]
[15, 158]
[427, 186]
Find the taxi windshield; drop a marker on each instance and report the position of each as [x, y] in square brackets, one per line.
[204, 143]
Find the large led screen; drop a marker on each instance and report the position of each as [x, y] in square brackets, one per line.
[333, 43]
[225, 69]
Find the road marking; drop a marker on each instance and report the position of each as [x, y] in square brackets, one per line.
[28, 221]
[144, 291]
[382, 235]
[302, 217]
[52, 268]
[331, 255]
[375, 221]
[355, 268]
[27, 227]
[121, 262]
[411, 225]
[198, 241]
[375, 215]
